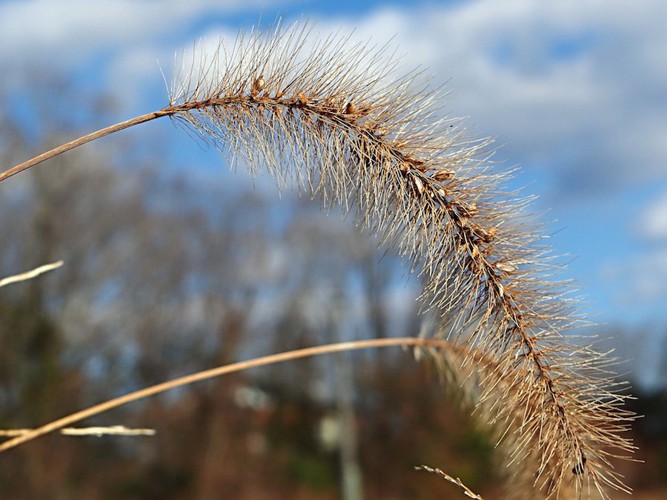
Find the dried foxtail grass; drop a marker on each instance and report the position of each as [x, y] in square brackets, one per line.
[456, 481]
[331, 115]
[17, 278]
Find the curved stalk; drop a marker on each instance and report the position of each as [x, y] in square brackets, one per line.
[218, 372]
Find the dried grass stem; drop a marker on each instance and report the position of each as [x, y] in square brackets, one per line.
[217, 372]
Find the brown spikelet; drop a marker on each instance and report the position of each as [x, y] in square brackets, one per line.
[258, 85]
[335, 119]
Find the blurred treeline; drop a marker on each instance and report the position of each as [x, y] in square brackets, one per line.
[169, 271]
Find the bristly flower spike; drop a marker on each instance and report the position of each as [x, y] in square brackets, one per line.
[333, 115]
[420, 187]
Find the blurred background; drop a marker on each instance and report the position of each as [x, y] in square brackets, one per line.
[173, 264]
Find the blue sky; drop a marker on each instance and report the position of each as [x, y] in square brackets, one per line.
[573, 92]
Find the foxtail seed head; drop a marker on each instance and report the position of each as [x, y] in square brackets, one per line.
[424, 190]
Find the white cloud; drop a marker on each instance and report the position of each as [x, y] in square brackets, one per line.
[116, 41]
[653, 225]
[48, 29]
[576, 87]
